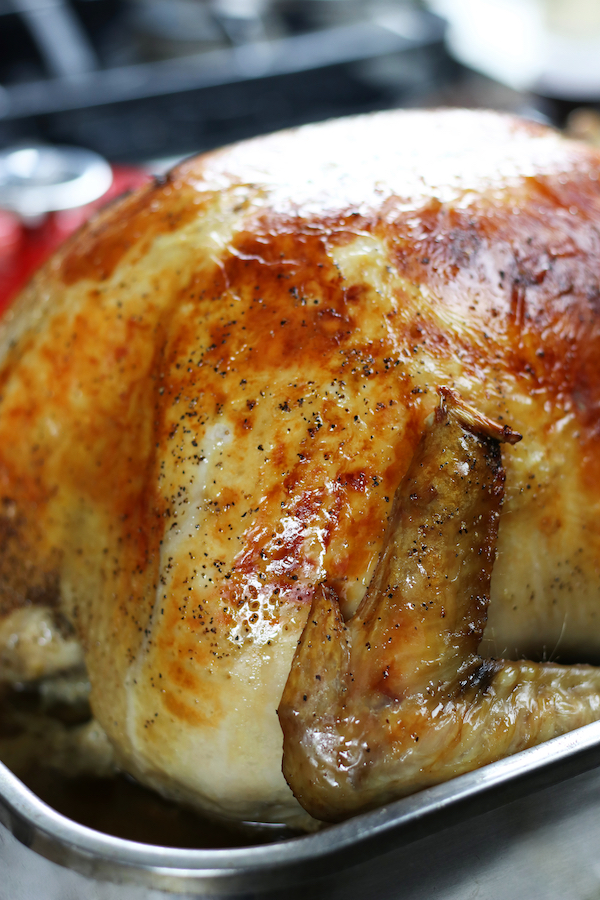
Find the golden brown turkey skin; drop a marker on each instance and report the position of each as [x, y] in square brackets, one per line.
[210, 396]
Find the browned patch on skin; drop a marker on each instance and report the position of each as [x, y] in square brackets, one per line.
[26, 577]
[181, 676]
[180, 710]
[294, 306]
[11, 361]
[275, 306]
[133, 223]
[528, 285]
[550, 525]
[79, 416]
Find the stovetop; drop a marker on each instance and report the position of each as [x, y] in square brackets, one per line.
[140, 79]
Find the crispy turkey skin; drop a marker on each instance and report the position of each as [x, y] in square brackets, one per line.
[210, 395]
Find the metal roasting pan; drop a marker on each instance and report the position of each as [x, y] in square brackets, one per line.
[526, 825]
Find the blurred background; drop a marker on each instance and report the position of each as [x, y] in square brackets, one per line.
[142, 83]
[137, 80]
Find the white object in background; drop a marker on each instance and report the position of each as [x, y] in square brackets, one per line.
[551, 47]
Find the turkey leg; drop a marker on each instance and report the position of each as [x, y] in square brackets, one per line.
[397, 698]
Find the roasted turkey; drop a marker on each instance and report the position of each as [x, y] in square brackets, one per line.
[260, 464]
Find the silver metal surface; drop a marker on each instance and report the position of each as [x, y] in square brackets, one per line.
[438, 843]
[37, 179]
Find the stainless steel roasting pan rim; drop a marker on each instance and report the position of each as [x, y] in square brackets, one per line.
[227, 871]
